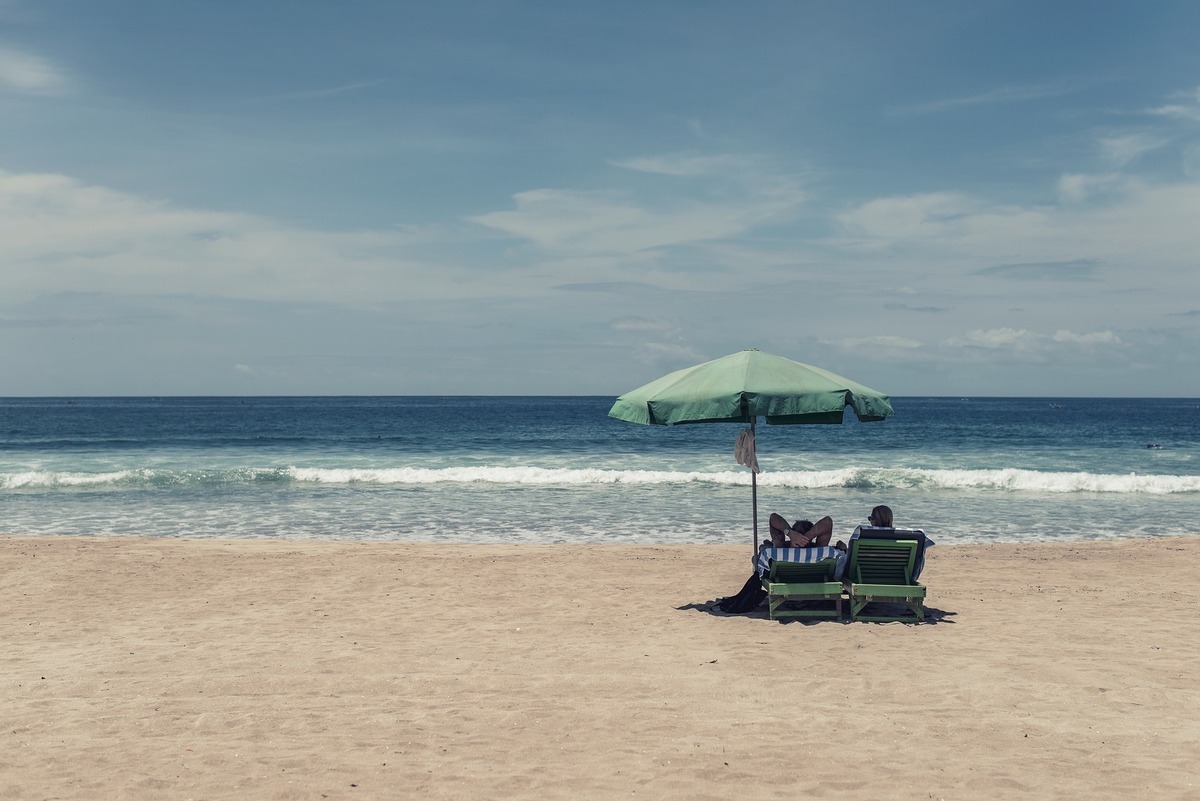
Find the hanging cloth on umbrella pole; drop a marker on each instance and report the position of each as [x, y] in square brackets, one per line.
[745, 453]
[743, 450]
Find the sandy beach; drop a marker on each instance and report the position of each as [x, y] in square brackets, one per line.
[137, 668]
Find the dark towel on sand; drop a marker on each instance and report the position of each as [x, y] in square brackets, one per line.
[747, 600]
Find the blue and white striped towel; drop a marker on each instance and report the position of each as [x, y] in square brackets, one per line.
[762, 562]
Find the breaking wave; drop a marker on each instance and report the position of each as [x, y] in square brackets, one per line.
[1002, 480]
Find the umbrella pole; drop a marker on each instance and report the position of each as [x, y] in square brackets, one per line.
[754, 496]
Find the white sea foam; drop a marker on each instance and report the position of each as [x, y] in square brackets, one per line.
[1010, 480]
[1004, 480]
[534, 476]
[46, 479]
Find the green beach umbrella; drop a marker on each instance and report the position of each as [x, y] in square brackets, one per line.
[744, 386]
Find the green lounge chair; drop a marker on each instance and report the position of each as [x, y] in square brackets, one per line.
[803, 581]
[882, 570]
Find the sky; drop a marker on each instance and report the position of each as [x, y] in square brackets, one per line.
[382, 197]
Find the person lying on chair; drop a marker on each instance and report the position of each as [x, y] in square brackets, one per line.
[801, 534]
[880, 517]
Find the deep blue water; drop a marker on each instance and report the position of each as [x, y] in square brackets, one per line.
[551, 469]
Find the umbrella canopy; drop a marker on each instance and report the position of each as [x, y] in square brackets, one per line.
[744, 386]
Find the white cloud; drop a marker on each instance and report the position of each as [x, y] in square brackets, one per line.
[1073, 270]
[1077, 188]
[686, 164]
[935, 216]
[1120, 150]
[26, 73]
[696, 127]
[567, 220]
[995, 339]
[642, 324]
[999, 95]
[332, 91]
[617, 222]
[60, 234]
[1094, 338]
[1187, 109]
[1191, 161]
[1136, 224]
[661, 353]
[877, 343]
[664, 210]
[1020, 340]
[925, 215]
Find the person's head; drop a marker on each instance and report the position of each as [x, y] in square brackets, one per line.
[881, 516]
[802, 526]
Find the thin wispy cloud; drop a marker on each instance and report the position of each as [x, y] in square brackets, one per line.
[685, 164]
[1138, 222]
[1188, 107]
[25, 73]
[663, 353]
[1122, 149]
[1078, 188]
[1074, 270]
[317, 94]
[618, 287]
[662, 209]
[909, 308]
[997, 96]
[886, 341]
[629, 221]
[928, 215]
[642, 324]
[1092, 338]
[57, 231]
[1021, 340]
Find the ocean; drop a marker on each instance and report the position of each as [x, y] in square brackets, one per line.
[559, 470]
